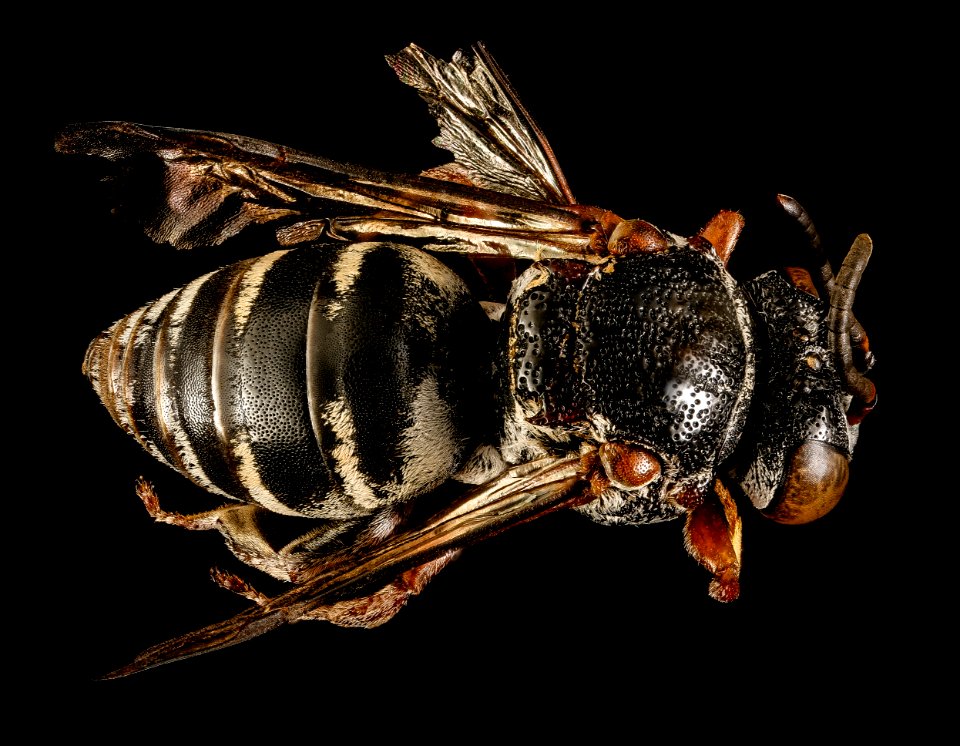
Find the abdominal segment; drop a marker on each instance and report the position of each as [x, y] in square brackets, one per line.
[326, 381]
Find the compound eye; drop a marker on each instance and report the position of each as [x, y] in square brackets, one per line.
[814, 483]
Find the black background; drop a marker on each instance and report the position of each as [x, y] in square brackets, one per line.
[650, 118]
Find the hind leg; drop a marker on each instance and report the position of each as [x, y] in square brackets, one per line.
[367, 611]
[240, 526]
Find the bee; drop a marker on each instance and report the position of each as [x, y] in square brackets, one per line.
[424, 361]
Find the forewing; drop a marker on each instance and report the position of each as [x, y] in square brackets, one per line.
[518, 495]
[201, 188]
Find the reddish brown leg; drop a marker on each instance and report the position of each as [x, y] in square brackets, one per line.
[240, 527]
[712, 536]
[235, 584]
[382, 605]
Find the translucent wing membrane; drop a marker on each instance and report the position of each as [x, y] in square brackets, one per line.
[483, 123]
[518, 495]
[215, 185]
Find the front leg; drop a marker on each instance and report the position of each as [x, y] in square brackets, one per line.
[712, 535]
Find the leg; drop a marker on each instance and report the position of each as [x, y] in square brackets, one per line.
[382, 605]
[367, 611]
[240, 526]
[712, 535]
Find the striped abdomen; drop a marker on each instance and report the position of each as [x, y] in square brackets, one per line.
[323, 381]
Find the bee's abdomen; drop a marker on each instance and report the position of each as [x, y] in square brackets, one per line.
[322, 381]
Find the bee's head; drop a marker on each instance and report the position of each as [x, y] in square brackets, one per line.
[812, 389]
